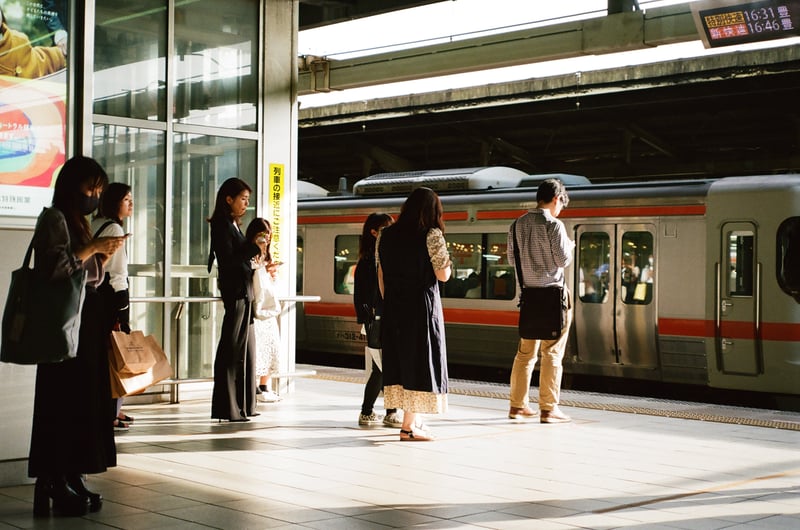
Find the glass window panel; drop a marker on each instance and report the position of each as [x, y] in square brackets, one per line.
[216, 63]
[501, 283]
[137, 158]
[637, 248]
[593, 267]
[740, 263]
[130, 45]
[202, 163]
[788, 259]
[465, 255]
[345, 259]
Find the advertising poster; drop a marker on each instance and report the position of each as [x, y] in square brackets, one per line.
[33, 86]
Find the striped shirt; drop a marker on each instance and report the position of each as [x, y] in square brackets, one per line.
[544, 246]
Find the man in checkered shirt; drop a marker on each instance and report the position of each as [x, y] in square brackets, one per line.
[545, 249]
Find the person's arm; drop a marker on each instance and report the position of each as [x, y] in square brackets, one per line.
[53, 252]
[561, 245]
[117, 269]
[440, 258]
[229, 251]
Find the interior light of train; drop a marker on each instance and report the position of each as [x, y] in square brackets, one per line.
[728, 22]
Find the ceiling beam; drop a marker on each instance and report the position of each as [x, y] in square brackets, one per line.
[613, 33]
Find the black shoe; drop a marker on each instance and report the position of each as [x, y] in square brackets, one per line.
[79, 486]
[65, 500]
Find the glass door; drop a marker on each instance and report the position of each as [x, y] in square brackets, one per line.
[738, 301]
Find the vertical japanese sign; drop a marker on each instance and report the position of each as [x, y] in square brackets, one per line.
[276, 188]
[33, 89]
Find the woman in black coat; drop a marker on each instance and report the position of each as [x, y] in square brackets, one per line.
[72, 433]
[234, 392]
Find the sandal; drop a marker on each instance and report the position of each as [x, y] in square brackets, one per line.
[411, 436]
[125, 417]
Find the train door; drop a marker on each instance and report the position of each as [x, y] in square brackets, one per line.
[615, 310]
[738, 301]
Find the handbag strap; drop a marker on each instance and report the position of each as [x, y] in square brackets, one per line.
[103, 227]
[516, 256]
[26, 263]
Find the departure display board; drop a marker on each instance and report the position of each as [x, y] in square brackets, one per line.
[728, 22]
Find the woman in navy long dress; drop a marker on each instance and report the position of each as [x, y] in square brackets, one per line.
[412, 260]
[233, 397]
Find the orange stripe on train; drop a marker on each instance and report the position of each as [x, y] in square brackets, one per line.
[680, 327]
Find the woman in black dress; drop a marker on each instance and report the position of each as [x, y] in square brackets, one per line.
[234, 392]
[412, 259]
[72, 432]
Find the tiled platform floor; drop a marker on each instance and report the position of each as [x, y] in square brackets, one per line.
[304, 463]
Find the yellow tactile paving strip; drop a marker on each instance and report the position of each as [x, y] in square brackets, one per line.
[592, 400]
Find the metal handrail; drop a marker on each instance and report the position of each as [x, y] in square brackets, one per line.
[192, 299]
[175, 381]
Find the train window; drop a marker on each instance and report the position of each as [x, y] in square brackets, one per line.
[344, 263]
[593, 267]
[480, 267]
[788, 259]
[637, 274]
[740, 263]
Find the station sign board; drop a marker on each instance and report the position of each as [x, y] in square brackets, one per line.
[729, 22]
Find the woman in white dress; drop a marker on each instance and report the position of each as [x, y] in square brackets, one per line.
[266, 309]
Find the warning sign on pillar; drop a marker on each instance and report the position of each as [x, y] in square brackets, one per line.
[276, 187]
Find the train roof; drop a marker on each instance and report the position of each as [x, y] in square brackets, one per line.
[441, 180]
[487, 184]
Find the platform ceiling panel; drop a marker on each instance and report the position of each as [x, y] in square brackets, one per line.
[316, 13]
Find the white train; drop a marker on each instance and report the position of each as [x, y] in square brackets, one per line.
[684, 281]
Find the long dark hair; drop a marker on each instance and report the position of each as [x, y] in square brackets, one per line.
[256, 226]
[375, 221]
[76, 172]
[421, 211]
[111, 199]
[230, 188]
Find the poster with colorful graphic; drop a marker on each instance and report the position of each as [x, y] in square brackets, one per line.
[33, 90]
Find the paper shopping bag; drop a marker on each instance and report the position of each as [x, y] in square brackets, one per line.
[126, 384]
[131, 353]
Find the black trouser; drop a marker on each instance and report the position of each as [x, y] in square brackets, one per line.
[371, 391]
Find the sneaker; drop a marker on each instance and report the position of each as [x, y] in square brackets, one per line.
[554, 416]
[370, 420]
[521, 413]
[268, 397]
[393, 420]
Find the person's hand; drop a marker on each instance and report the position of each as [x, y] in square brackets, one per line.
[272, 268]
[108, 245]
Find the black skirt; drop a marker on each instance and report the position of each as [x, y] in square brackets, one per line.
[73, 412]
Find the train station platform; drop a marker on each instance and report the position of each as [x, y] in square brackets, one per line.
[305, 463]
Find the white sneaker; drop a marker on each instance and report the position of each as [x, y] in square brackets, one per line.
[268, 397]
[370, 420]
[393, 420]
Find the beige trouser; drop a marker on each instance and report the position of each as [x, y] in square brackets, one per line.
[550, 369]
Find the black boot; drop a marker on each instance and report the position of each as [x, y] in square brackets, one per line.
[78, 485]
[65, 500]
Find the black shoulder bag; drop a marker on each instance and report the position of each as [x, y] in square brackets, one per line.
[542, 310]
